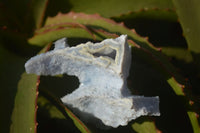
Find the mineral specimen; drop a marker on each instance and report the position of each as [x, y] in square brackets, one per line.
[102, 69]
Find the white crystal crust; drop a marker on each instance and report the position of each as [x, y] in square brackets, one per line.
[102, 69]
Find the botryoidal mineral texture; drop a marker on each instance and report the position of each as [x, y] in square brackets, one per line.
[102, 69]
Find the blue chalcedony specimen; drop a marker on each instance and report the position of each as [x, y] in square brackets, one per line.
[102, 69]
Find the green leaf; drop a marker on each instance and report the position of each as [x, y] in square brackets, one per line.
[24, 113]
[194, 121]
[25, 106]
[10, 70]
[144, 126]
[188, 13]
[178, 53]
[55, 32]
[103, 7]
[77, 122]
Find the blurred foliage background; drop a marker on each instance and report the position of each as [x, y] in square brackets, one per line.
[164, 36]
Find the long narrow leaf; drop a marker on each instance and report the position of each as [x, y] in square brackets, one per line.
[25, 106]
[189, 14]
[24, 113]
[10, 70]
